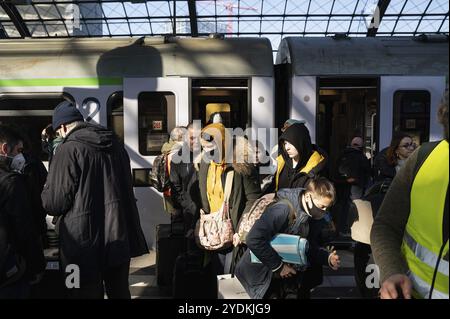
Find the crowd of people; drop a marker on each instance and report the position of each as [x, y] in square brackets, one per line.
[89, 191]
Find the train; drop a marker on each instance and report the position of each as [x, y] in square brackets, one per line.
[142, 88]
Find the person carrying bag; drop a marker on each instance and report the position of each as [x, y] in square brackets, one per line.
[214, 231]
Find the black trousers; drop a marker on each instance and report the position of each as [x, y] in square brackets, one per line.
[361, 260]
[348, 194]
[114, 281]
[286, 288]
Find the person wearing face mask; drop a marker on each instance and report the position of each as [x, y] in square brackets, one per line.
[50, 141]
[297, 211]
[212, 173]
[89, 185]
[21, 257]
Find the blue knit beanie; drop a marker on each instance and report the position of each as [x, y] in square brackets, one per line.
[65, 113]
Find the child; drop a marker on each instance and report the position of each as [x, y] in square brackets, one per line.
[301, 212]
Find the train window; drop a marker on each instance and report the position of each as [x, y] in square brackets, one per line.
[115, 114]
[30, 114]
[227, 97]
[412, 114]
[156, 117]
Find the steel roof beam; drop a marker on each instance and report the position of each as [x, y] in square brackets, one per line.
[375, 22]
[193, 17]
[16, 18]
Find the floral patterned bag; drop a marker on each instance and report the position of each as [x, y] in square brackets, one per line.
[214, 231]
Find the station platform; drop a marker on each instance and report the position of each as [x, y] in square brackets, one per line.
[338, 284]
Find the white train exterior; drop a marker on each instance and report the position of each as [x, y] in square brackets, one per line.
[371, 86]
[143, 87]
[164, 82]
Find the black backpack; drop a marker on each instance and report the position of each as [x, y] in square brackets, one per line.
[159, 176]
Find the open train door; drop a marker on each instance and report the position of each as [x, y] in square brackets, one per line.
[410, 104]
[152, 108]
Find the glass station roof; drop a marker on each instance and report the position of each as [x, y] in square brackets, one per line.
[273, 19]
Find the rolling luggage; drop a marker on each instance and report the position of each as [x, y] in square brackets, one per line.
[170, 242]
[193, 280]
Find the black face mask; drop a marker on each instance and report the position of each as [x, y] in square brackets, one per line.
[314, 211]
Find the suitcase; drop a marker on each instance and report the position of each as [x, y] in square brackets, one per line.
[193, 280]
[170, 242]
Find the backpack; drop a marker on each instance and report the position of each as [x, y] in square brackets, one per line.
[159, 176]
[258, 208]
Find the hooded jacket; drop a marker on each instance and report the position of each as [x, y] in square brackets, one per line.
[256, 277]
[312, 159]
[90, 186]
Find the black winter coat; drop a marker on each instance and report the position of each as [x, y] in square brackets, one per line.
[36, 175]
[16, 227]
[90, 186]
[185, 190]
[352, 163]
[382, 170]
[256, 277]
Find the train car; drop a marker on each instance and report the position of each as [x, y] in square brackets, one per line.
[371, 86]
[139, 87]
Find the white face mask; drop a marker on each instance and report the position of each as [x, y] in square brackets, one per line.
[18, 163]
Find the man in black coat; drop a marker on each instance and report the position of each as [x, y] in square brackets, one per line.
[89, 186]
[184, 180]
[353, 174]
[21, 255]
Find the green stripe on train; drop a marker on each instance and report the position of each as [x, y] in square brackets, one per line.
[61, 82]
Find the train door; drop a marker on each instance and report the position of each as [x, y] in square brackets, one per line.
[227, 99]
[30, 113]
[410, 104]
[152, 107]
[346, 107]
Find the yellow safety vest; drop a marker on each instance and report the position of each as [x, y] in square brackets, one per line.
[422, 240]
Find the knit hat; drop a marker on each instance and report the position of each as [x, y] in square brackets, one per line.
[65, 113]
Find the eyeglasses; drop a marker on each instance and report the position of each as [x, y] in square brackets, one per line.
[409, 145]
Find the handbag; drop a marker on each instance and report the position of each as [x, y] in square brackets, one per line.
[214, 231]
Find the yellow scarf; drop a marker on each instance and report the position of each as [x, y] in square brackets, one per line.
[214, 189]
